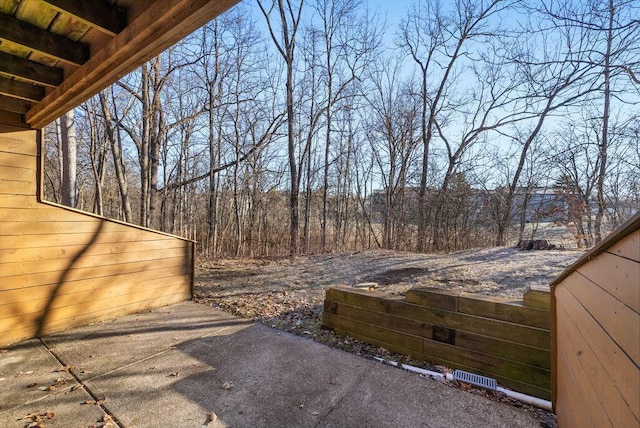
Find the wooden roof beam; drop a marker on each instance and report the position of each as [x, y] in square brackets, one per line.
[14, 105]
[96, 13]
[30, 70]
[37, 39]
[156, 28]
[25, 91]
[11, 121]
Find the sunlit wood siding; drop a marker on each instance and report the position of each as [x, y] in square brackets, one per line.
[61, 267]
[596, 335]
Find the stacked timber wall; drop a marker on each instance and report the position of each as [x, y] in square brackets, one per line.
[61, 268]
[505, 340]
[596, 335]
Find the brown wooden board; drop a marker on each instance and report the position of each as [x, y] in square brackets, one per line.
[163, 276]
[490, 364]
[570, 409]
[94, 297]
[10, 187]
[393, 339]
[17, 160]
[19, 142]
[381, 319]
[605, 404]
[615, 318]
[23, 330]
[57, 239]
[380, 302]
[622, 371]
[69, 275]
[88, 260]
[433, 298]
[504, 349]
[18, 201]
[484, 344]
[628, 247]
[616, 275]
[18, 173]
[26, 255]
[537, 297]
[502, 309]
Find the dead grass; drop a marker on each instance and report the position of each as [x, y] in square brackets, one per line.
[289, 293]
[263, 289]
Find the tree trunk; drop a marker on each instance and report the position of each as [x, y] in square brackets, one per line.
[70, 159]
[604, 142]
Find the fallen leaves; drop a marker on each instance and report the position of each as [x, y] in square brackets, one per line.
[58, 383]
[104, 422]
[211, 419]
[227, 385]
[174, 374]
[36, 419]
[66, 368]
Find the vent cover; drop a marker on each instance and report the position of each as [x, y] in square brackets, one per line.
[474, 379]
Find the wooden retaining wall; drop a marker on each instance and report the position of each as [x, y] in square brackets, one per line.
[505, 340]
[596, 361]
[61, 268]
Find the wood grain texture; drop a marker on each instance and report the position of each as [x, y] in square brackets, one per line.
[615, 275]
[537, 297]
[380, 302]
[482, 342]
[60, 268]
[615, 318]
[590, 379]
[628, 247]
[622, 373]
[147, 34]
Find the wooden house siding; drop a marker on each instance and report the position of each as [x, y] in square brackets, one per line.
[596, 335]
[61, 268]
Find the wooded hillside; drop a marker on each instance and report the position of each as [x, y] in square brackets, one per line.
[306, 126]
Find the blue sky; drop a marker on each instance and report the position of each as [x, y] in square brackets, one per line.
[394, 9]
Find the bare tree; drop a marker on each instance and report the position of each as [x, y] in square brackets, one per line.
[436, 40]
[98, 149]
[112, 133]
[69, 146]
[288, 16]
[391, 134]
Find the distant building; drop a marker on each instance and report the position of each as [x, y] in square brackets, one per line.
[543, 204]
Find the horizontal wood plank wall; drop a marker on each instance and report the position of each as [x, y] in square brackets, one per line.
[493, 337]
[597, 333]
[60, 268]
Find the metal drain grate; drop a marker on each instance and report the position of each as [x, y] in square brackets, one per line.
[474, 379]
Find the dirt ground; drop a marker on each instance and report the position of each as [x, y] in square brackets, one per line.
[264, 289]
[288, 294]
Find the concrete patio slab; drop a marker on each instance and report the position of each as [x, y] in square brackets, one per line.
[35, 386]
[188, 365]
